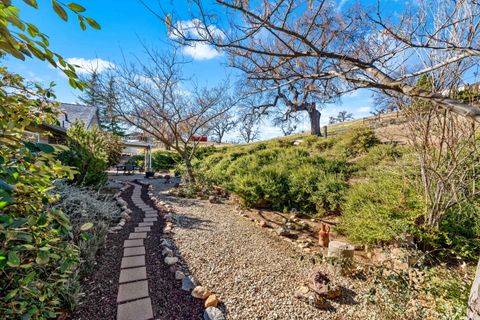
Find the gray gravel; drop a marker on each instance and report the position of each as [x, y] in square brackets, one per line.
[253, 271]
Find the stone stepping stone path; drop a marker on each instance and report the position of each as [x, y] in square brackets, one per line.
[133, 298]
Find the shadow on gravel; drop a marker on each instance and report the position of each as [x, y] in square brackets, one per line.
[169, 301]
[348, 297]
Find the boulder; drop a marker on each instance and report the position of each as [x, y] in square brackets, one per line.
[213, 313]
[212, 301]
[171, 260]
[200, 292]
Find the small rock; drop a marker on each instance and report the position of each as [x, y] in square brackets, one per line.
[200, 292]
[213, 313]
[304, 294]
[172, 269]
[188, 283]
[167, 252]
[282, 231]
[213, 199]
[263, 224]
[179, 275]
[171, 260]
[164, 243]
[212, 301]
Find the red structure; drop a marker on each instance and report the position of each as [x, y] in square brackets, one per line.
[199, 139]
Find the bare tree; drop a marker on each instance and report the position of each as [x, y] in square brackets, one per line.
[364, 48]
[154, 98]
[249, 130]
[342, 116]
[288, 126]
[224, 123]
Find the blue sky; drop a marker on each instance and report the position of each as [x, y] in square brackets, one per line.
[124, 25]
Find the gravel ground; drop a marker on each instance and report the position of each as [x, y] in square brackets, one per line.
[101, 286]
[252, 271]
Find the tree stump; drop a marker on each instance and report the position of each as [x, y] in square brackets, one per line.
[342, 254]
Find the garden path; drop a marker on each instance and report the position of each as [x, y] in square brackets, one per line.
[133, 298]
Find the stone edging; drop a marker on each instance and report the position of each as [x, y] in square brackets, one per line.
[188, 282]
[125, 214]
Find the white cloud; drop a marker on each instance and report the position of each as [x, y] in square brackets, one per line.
[84, 66]
[194, 29]
[201, 51]
[364, 109]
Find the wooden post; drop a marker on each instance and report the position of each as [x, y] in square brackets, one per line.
[325, 132]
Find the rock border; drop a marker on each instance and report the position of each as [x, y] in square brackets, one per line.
[125, 213]
[188, 282]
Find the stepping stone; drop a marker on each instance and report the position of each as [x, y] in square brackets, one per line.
[145, 224]
[133, 290]
[142, 229]
[135, 310]
[134, 274]
[133, 243]
[138, 235]
[149, 219]
[134, 261]
[151, 215]
[134, 251]
[151, 211]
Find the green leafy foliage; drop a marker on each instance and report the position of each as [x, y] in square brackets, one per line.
[22, 39]
[278, 178]
[91, 151]
[381, 209]
[164, 160]
[36, 256]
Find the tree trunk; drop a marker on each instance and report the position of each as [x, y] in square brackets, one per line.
[315, 122]
[473, 311]
[190, 175]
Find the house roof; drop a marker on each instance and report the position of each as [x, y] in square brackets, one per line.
[70, 113]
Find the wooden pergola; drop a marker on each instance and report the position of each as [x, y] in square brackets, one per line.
[147, 150]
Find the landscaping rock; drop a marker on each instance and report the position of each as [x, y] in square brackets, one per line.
[304, 294]
[213, 313]
[281, 231]
[213, 199]
[263, 224]
[179, 275]
[171, 260]
[188, 283]
[200, 292]
[167, 252]
[212, 301]
[321, 284]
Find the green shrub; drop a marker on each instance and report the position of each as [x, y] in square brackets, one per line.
[88, 154]
[81, 206]
[458, 234]
[380, 210]
[357, 141]
[37, 260]
[313, 188]
[136, 160]
[164, 160]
